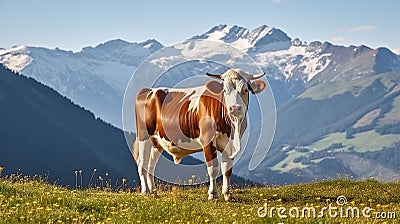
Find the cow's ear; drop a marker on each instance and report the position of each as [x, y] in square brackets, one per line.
[258, 86]
[214, 87]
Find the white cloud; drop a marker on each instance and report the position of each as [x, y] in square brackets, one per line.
[362, 28]
[396, 51]
[277, 1]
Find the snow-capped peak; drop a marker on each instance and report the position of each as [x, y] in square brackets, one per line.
[151, 44]
[15, 58]
[246, 40]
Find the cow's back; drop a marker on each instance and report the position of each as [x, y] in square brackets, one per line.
[170, 113]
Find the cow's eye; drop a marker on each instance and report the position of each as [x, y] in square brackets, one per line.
[245, 91]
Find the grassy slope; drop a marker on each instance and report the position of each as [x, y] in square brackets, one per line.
[330, 89]
[37, 202]
[362, 142]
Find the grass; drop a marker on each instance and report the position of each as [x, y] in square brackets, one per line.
[394, 115]
[329, 89]
[23, 200]
[362, 142]
[288, 164]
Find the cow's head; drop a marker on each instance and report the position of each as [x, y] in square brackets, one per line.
[235, 87]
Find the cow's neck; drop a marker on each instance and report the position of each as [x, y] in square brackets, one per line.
[236, 130]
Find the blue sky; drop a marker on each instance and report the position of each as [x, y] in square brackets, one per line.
[74, 24]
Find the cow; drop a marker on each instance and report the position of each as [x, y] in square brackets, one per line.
[207, 118]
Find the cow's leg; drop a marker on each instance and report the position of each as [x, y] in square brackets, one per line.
[154, 155]
[207, 134]
[212, 167]
[143, 163]
[226, 168]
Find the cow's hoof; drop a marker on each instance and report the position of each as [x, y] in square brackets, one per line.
[213, 196]
[229, 197]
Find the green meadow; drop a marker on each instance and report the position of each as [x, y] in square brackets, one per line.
[24, 200]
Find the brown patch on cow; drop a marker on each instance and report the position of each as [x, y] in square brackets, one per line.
[212, 106]
[228, 173]
[257, 86]
[156, 144]
[214, 87]
[210, 154]
[140, 112]
[166, 113]
[189, 121]
[175, 122]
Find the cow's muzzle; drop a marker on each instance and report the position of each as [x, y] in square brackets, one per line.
[236, 110]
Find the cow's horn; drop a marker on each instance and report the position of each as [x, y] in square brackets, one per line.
[257, 76]
[214, 76]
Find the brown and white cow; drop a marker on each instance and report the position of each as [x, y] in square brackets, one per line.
[207, 118]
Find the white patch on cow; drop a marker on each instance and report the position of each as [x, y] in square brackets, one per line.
[220, 141]
[193, 144]
[164, 143]
[194, 95]
[143, 163]
[154, 155]
[236, 138]
[213, 172]
[181, 149]
[226, 165]
[232, 93]
[153, 90]
[195, 99]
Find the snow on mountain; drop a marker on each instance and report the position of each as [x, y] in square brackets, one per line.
[95, 77]
[282, 57]
[286, 59]
[15, 58]
[263, 38]
[297, 60]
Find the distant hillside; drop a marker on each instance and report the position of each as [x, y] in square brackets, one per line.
[349, 128]
[42, 132]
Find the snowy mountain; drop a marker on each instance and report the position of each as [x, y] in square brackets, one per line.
[261, 39]
[292, 64]
[94, 77]
[286, 58]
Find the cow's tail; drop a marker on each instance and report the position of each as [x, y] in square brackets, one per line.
[136, 151]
